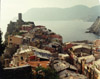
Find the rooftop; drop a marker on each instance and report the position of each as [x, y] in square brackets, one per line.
[18, 36]
[35, 63]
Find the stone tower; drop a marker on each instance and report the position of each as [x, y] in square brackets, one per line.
[19, 22]
[20, 16]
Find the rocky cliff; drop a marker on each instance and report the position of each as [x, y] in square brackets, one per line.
[95, 28]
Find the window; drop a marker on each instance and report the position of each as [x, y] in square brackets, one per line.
[98, 50]
[10, 39]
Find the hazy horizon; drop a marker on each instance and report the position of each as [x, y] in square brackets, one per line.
[10, 8]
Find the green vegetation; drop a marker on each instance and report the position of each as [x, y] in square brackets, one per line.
[2, 46]
[20, 33]
[17, 33]
[46, 73]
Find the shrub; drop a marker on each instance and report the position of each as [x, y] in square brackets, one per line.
[46, 73]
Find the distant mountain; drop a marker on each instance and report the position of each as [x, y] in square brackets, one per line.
[79, 12]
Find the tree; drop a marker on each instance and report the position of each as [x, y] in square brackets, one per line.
[2, 47]
[1, 52]
[46, 73]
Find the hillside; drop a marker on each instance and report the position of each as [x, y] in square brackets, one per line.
[79, 12]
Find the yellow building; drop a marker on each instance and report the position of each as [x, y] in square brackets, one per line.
[15, 40]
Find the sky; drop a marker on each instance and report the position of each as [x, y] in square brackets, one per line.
[11, 8]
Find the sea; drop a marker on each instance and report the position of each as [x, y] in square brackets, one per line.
[69, 30]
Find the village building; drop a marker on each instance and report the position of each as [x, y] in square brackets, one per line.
[15, 40]
[88, 59]
[89, 66]
[97, 69]
[65, 70]
[56, 36]
[40, 26]
[96, 49]
[28, 38]
[82, 50]
[28, 55]
[26, 28]
[96, 46]
[97, 42]
[93, 70]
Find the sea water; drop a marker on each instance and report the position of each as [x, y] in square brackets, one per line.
[70, 30]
